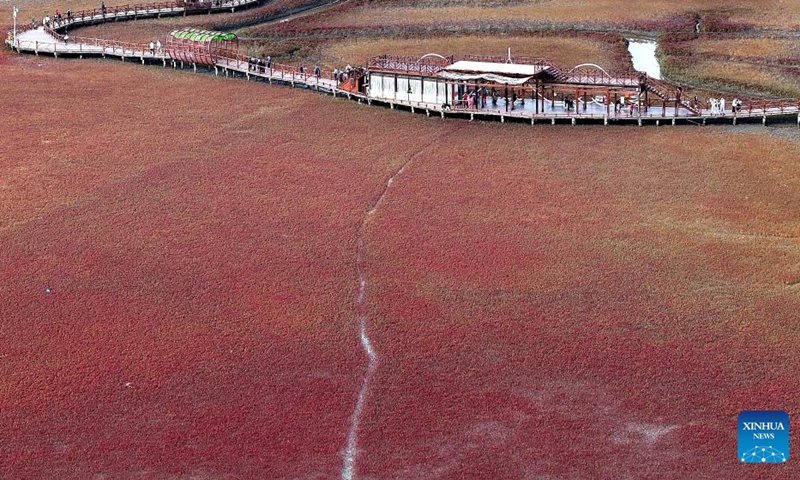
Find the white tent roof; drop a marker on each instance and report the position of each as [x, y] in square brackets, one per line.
[497, 68]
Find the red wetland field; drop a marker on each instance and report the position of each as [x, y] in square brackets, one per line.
[180, 287]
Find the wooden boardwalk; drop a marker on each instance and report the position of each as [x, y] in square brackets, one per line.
[44, 40]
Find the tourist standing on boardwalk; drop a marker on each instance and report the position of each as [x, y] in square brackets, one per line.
[103, 8]
[316, 71]
[158, 46]
[722, 106]
[152, 48]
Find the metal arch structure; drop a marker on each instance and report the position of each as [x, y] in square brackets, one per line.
[432, 55]
[592, 74]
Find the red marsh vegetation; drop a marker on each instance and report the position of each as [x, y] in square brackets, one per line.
[179, 285]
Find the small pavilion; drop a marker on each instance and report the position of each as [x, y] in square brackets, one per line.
[525, 84]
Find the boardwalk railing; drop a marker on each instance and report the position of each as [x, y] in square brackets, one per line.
[406, 64]
[290, 73]
[125, 12]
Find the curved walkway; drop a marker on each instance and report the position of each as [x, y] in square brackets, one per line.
[49, 40]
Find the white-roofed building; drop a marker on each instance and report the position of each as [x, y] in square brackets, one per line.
[521, 84]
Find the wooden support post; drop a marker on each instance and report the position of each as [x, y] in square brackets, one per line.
[573, 119]
[194, 67]
[605, 120]
[553, 121]
[471, 116]
[608, 104]
[535, 99]
[764, 120]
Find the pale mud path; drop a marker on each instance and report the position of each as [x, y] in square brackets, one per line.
[362, 317]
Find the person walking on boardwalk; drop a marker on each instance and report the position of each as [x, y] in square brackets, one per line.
[158, 46]
[722, 106]
[103, 8]
[316, 71]
[152, 48]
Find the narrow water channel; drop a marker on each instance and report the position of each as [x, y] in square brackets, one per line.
[643, 54]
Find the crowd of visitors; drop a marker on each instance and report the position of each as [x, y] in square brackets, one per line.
[717, 106]
[266, 65]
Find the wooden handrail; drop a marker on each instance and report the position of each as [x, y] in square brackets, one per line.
[121, 11]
